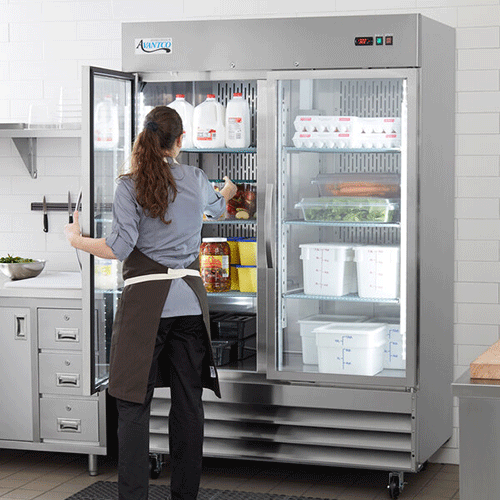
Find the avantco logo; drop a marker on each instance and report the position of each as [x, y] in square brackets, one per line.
[153, 45]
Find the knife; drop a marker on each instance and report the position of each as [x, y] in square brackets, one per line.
[45, 216]
[70, 212]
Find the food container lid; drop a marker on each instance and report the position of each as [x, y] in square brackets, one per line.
[357, 177]
[347, 201]
[214, 240]
[352, 328]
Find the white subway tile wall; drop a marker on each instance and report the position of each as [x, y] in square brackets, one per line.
[44, 44]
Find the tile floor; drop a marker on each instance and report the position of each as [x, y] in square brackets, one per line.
[26, 475]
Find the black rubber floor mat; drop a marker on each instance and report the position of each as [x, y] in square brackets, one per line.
[107, 490]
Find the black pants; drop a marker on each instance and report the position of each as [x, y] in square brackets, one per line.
[183, 338]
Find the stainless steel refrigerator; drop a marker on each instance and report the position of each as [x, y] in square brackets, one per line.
[352, 152]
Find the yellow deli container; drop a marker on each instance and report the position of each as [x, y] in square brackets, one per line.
[247, 248]
[247, 278]
[234, 278]
[235, 254]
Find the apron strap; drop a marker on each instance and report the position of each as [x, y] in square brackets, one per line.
[171, 274]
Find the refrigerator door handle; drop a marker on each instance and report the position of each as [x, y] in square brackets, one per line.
[268, 224]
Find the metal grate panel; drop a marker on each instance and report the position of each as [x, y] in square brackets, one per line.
[371, 98]
[373, 163]
[370, 235]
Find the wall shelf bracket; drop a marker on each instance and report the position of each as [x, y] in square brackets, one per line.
[27, 149]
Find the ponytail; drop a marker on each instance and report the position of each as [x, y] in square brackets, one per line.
[154, 183]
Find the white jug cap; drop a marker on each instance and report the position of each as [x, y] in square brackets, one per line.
[181, 96]
[237, 94]
[210, 96]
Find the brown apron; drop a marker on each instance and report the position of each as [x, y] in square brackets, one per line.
[136, 325]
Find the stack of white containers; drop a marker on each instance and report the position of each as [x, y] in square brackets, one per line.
[341, 344]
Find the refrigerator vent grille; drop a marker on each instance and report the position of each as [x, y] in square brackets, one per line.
[370, 235]
[237, 166]
[376, 163]
[371, 98]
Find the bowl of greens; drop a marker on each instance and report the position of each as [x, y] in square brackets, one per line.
[18, 268]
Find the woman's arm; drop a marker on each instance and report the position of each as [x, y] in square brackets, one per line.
[95, 246]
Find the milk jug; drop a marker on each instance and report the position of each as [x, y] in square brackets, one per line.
[107, 131]
[208, 124]
[237, 122]
[185, 110]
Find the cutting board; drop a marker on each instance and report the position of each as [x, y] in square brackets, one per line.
[487, 365]
[66, 280]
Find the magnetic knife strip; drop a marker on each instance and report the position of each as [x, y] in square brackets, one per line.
[63, 207]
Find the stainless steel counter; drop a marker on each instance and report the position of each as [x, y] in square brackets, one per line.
[479, 437]
[54, 284]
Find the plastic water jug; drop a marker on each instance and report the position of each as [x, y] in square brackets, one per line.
[107, 131]
[208, 124]
[237, 122]
[185, 110]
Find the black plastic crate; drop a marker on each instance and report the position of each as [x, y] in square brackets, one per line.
[247, 347]
[215, 317]
[235, 326]
[225, 351]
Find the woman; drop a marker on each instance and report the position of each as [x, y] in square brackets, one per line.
[161, 333]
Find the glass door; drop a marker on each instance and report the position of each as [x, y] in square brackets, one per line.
[108, 136]
[345, 234]
[233, 314]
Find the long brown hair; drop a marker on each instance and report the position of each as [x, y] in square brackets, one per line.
[154, 183]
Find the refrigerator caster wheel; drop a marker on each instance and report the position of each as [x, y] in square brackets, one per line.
[396, 484]
[155, 466]
[393, 489]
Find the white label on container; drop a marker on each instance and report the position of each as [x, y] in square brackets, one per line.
[145, 46]
[206, 134]
[235, 127]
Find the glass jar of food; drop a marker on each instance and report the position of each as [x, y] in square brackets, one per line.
[214, 264]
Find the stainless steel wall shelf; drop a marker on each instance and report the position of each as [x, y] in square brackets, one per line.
[25, 141]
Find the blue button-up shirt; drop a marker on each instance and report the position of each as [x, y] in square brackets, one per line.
[173, 245]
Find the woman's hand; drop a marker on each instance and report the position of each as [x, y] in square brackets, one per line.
[95, 246]
[73, 231]
[229, 189]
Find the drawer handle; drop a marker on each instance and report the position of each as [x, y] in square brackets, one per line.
[65, 379]
[69, 425]
[21, 325]
[67, 335]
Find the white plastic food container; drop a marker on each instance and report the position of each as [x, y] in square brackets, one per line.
[395, 349]
[377, 270]
[308, 335]
[329, 269]
[351, 349]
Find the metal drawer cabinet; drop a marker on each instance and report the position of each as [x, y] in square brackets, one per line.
[69, 419]
[59, 328]
[60, 373]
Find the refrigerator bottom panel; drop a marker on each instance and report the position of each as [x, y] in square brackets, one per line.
[272, 434]
[296, 453]
[274, 415]
[328, 436]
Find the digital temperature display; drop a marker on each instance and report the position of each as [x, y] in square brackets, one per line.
[363, 40]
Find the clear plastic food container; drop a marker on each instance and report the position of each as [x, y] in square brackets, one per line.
[349, 209]
[359, 185]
